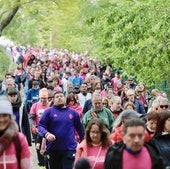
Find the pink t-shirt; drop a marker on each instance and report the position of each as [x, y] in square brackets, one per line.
[141, 160]
[96, 153]
[38, 109]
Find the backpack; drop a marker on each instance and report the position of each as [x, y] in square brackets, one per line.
[17, 149]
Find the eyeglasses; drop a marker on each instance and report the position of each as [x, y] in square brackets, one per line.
[163, 106]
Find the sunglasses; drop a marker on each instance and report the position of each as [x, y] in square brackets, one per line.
[163, 106]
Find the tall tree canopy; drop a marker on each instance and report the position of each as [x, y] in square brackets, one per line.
[133, 35]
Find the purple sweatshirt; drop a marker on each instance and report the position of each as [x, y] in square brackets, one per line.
[62, 122]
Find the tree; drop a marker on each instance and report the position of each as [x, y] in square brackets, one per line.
[7, 16]
[132, 35]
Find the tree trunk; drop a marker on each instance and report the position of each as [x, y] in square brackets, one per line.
[8, 19]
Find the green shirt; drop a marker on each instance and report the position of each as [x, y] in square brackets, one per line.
[105, 115]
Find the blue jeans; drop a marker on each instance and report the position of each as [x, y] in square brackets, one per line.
[61, 159]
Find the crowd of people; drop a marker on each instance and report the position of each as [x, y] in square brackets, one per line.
[80, 113]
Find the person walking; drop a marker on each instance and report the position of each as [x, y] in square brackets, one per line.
[19, 112]
[138, 105]
[161, 138]
[14, 149]
[99, 111]
[95, 144]
[133, 153]
[58, 125]
[36, 111]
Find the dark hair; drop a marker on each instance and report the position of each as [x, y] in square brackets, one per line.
[50, 88]
[82, 163]
[85, 83]
[12, 91]
[34, 81]
[164, 115]
[104, 132]
[152, 115]
[134, 122]
[58, 92]
[129, 103]
[71, 97]
[8, 74]
[56, 78]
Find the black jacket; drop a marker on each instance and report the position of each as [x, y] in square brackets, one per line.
[113, 158]
[162, 143]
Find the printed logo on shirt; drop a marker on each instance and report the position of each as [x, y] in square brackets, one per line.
[40, 112]
[70, 116]
[55, 115]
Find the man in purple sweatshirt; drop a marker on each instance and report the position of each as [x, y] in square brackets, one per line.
[58, 125]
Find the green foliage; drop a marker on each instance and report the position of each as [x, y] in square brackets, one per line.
[4, 63]
[133, 35]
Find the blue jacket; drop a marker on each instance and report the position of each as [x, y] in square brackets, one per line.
[139, 107]
[62, 122]
[32, 96]
[76, 80]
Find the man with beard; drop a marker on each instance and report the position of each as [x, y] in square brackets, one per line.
[83, 96]
[58, 125]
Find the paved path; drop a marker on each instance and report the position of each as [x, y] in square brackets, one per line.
[34, 157]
